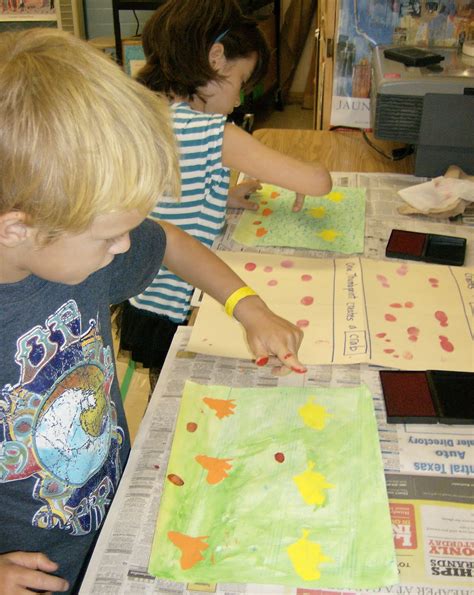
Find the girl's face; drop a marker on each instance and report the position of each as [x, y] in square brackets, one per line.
[223, 96]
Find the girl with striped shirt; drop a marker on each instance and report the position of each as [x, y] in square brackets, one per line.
[201, 55]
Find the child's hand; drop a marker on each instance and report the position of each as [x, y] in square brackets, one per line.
[270, 335]
[299, 202]
[237, 197]
[21, 572]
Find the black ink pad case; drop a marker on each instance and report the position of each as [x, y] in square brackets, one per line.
[428, 397]
[426, 247]
[411, 56]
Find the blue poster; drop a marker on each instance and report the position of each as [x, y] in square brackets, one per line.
[362, 24]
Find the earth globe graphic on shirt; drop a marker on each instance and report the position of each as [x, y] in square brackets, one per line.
[73, 428]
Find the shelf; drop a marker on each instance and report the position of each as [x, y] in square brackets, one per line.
[26, 18]
[138, 4]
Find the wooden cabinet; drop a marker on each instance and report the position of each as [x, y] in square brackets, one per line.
[326, 32]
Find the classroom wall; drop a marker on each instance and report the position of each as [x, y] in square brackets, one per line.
[99, 20]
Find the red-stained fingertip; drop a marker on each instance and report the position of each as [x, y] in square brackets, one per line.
[262, 361]
[287, 356]
[299, 370]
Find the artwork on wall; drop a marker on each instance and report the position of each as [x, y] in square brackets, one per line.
[407, 315]
[27, 10]
[275, 486]
[334, 222]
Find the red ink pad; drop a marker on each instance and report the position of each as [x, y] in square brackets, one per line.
[407, 397]
[427, 247]
[428, 397]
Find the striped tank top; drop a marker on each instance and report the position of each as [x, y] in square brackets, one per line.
[201, 209]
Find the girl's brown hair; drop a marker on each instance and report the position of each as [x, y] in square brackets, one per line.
[179, 35]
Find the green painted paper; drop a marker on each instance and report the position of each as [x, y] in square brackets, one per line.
[334, 222]
[336, 526]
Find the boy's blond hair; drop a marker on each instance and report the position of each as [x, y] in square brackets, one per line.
[78, 138]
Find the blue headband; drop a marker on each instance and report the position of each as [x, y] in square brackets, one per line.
[221, 36]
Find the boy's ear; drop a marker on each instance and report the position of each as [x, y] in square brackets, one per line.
[217, 57]
[13, 229]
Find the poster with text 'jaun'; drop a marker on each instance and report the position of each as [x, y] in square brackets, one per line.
[406, 315]
[334, 222]
[275, 486]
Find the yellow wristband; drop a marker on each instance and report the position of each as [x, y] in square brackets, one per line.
[234, 298]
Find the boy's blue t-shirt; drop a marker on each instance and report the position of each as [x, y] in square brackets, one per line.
[63, 434]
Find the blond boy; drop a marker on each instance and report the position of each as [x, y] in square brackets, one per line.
[84, 153]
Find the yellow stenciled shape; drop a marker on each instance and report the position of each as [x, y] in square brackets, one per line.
[329, 235]
[317, 212]
[312, 486]
[313, 415]
[335, 196]
[306, 556]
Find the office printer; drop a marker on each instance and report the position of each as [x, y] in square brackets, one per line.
[431, 107]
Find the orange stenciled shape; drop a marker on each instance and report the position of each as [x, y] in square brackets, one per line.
[274, 195]
[267, 212]
[191, 548]
[222, 407]
[261, 231]
[216, 468]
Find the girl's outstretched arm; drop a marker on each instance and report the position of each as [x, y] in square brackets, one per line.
[242, 152]
[268, 335]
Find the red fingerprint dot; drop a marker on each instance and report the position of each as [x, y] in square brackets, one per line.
[306, 277]
[446, 344]
[302, 323]
[413, 338]
[403, 270]
[307, 300]
[390, 317]
[396, 305]
[279, 457]
[433, 280]
[441, 317]
[250, 266]
[385, 285]
[413, 330]
[256, 222]
[381, 335]
[287, 264]
[407, 355]
[389, 350]
[272, 283]
[409, 304]
[191, 426]
[382, 278]
[175, 479]
[268, 269]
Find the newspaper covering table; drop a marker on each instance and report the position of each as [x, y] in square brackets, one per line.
[429, 472]
[429, 469]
